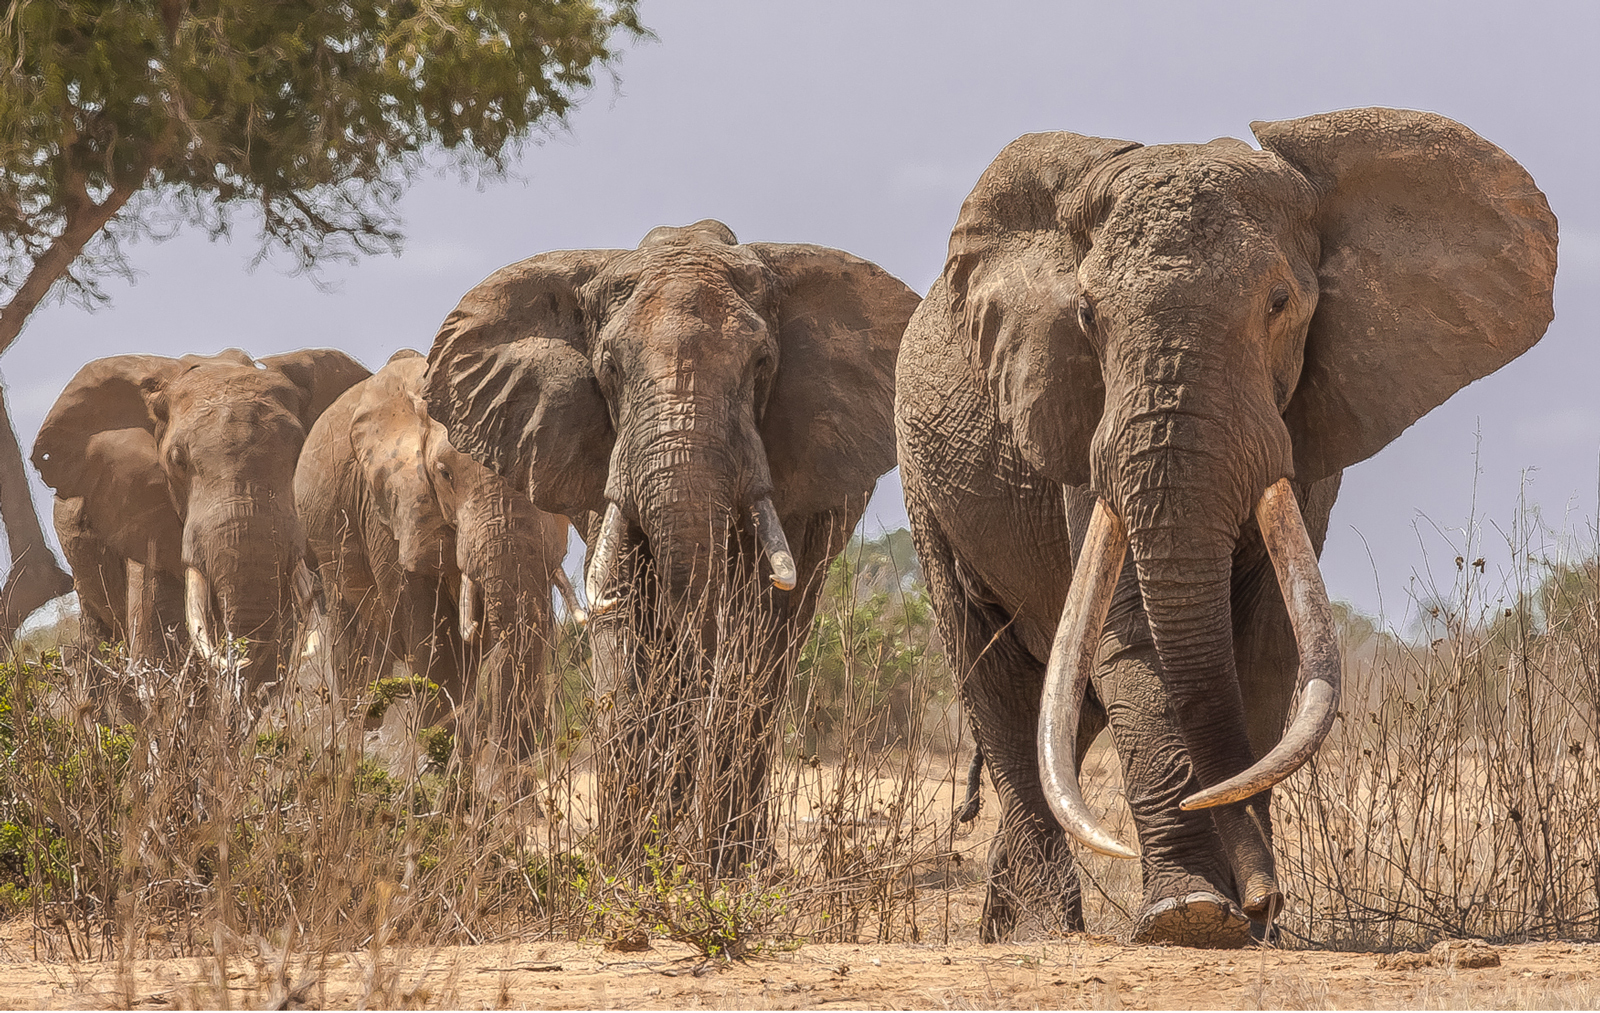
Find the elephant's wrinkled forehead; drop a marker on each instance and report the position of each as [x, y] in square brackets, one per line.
[701, 281]
[1194, 206]
[206, 398]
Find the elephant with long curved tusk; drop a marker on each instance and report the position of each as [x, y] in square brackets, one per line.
[1123, 411]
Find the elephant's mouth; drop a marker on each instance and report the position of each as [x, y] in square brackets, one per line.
[200, 616]
[613, 541]
[1072, 658]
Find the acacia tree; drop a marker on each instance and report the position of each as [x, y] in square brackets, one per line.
[124, 118]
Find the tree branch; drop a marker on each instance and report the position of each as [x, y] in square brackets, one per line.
[84, 220]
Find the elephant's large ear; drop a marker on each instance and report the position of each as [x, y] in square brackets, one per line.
[1012, 280]
[106, 395]
[322, 374]
[829, 423]
[1438, 262]
[509, 378]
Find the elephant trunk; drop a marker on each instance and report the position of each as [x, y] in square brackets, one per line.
[1187, 481]
[689, 492]
[243, 554]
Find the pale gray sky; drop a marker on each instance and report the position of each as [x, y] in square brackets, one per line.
[862, 125]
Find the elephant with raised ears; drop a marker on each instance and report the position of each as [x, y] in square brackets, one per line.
[175, 502]
[425, 555]
[1123, 413]
[719, 412]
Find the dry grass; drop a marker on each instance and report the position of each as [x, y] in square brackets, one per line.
[1458, 796]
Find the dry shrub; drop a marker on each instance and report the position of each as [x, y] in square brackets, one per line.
[1458, 795]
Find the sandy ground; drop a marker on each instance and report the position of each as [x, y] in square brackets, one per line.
[1079, 972]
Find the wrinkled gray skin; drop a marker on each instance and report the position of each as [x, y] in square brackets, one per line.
[161, 465]
[681, 383]
[1172, 329]
[395, 518]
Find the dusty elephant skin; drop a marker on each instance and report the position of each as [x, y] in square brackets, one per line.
[1153, 339]
[174, 496]
[719, 414]
[424, 554]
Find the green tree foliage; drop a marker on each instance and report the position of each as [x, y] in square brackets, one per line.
[126, 118]
[873, 658]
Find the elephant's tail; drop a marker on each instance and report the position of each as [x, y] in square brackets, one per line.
[974, 800]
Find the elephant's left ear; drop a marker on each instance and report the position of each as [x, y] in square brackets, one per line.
[1438, 263]
[829, 424]
[322, 374]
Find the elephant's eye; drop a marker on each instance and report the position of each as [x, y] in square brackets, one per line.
[1280, 299]
[1086, 317]
[177, 457]
[444, 471]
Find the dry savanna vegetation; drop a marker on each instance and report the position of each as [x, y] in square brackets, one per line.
[197, 857]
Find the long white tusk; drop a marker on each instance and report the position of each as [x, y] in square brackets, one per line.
[1284, 532]
[1072, 658]
[606, 553]
[197, 612]
[468, 608]
[568, 595]
[770, 531]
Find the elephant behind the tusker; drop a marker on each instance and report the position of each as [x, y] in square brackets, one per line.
[427, 556]
[719, 413]
[1169, 354]
[175, 501]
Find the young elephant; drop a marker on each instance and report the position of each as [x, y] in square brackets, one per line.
[425, 555]
[719, 412]
[174, 496]
[1169, 354]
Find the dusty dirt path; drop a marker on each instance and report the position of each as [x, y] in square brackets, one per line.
[1074, 973]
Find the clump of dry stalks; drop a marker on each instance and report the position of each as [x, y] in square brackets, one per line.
[1457, 796]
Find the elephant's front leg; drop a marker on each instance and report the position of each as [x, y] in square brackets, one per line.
[1190, 896]
[1031, 869]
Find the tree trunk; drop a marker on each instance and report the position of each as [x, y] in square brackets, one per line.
[35, 576]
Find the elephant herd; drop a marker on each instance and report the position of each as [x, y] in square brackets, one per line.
[1121, 415]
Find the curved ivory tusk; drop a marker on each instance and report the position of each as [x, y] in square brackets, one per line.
[1295, 561]
[606, 553]
[569, 596]
[1072, 656]
[770, 531]
[197, 611]
[467, 606]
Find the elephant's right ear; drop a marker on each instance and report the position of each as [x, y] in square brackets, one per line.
[107, 394]
[509, 379]
[1011, 275]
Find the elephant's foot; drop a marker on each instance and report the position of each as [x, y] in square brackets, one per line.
[1202, 919]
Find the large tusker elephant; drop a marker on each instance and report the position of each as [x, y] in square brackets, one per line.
[1175, 350]
[706, 405]
[426, 555]
[174, 496]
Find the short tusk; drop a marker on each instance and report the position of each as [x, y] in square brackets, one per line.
[197, 611]
[467, 606]
[770, 531]
[606, 553]
[570, 597]
[1284, 531]
[1072, 657]
[305, 587]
